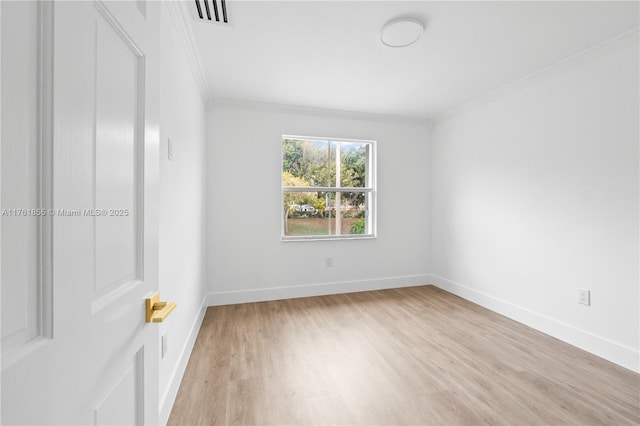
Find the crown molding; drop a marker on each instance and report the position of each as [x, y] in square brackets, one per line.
[621, 41]
[181, 20]
[316, 111]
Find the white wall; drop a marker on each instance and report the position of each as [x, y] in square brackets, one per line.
[536, 195]
[182, 209]
[247, 261]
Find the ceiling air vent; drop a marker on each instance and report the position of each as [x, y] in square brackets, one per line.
[211, 11]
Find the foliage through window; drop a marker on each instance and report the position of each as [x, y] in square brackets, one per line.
[328, 188]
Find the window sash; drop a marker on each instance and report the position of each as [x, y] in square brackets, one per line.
[328, 237]
[324, 189]
[335, 231]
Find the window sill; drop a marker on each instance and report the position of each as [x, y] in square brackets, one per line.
[328, 238]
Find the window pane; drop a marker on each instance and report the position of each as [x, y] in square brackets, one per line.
[315, 213]
[353, 160]
[308, 163]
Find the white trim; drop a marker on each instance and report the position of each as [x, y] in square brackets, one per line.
[181, 20]
[369, 191]
[321, 289]
[612, 351]
[316, 111]
[328, 139]
[288, 239]
[326, 189]
[171, 391]
[1, 361]
[613, 44]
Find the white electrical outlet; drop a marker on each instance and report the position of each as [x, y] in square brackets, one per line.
[584, 296]
[328, 262]
[169, 149]
[164, 344]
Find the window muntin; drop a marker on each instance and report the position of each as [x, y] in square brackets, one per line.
[328, 188]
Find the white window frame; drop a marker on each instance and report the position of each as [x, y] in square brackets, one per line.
[370, 190]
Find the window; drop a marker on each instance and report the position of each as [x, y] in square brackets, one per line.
[328, 188]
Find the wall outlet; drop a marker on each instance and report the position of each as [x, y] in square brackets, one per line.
[169, 149]
[584, 296]
[328, 262]
[164, 344]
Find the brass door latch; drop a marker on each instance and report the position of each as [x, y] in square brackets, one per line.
[157, 311]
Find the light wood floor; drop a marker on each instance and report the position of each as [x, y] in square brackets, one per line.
[407, 356]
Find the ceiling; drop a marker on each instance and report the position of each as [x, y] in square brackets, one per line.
[328, 54]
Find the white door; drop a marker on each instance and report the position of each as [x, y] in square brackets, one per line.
[80, 154]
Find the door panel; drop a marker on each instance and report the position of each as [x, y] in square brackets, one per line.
[99, 364]
[122, 403]
[20, 176]
[119, 92]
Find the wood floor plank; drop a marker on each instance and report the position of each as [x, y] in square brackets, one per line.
[416, 355]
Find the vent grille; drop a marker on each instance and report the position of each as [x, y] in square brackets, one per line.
[211, 11]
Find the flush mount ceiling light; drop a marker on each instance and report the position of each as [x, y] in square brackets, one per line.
[401, 32]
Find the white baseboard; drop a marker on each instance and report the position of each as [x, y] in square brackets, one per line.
[279, 293]
[169, 397]
[619, 354]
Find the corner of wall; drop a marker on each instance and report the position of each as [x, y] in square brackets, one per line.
[619, 354]
[570, 149]
[171, 391]
[180, 21]
[291, 292]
